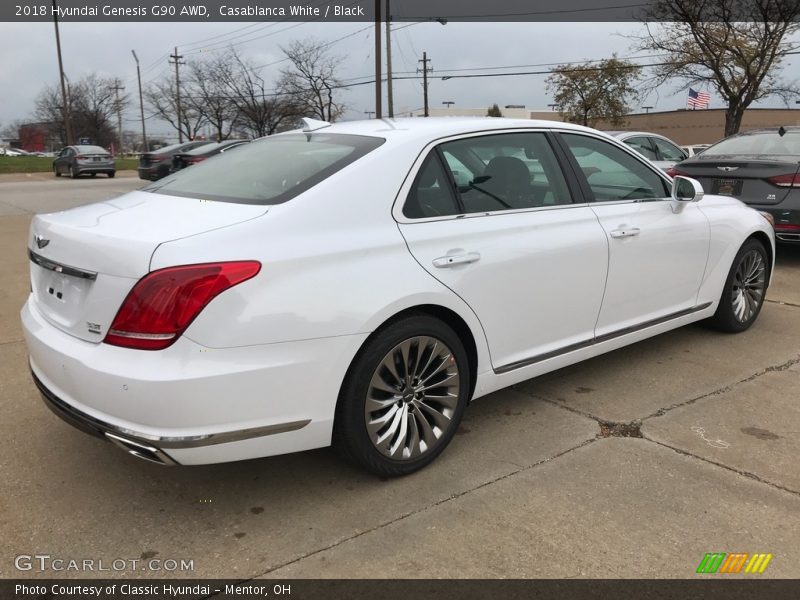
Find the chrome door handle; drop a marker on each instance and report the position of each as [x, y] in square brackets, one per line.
[623, 233]
[456, 259]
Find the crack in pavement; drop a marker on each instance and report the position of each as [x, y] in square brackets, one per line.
[747, 474]
[12, 342]
[422, 509]
[782, 303]
[727, 388]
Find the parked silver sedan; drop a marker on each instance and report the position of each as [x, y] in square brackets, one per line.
[77, 160]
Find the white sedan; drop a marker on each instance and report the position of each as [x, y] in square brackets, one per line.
[360, 283]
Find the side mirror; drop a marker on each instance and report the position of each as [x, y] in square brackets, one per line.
[686, 189]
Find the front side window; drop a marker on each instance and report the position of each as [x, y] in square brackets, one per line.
[612, 173]
[268, 171]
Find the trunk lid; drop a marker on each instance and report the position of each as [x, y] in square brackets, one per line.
[84, 261]
[742, 177]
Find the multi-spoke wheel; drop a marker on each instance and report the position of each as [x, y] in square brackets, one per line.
[404, 396]
[745, 289]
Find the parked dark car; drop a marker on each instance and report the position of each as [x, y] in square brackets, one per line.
[182, 160]
[77, 160]
[758, 167]
[156, 164]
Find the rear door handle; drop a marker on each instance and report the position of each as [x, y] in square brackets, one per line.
[626, 232]
[456, 259]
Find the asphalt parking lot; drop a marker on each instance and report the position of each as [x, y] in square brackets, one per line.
[633, 464]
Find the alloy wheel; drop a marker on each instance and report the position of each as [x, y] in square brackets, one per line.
[748, 286]
[412, 398]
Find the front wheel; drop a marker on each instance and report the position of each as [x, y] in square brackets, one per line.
[745, 289]
[111, 174]
[404, 397]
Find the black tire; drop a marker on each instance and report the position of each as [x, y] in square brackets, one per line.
[73, 172]
[56, 172]
[727, 318]
[92, 174]
[111, 174]
[351, 436]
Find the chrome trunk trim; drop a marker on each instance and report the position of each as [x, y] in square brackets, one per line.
[52, 265]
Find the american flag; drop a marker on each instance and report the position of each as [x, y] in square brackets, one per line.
[698, 99]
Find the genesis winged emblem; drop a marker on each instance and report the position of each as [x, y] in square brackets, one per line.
[727, 169]
[41, 241]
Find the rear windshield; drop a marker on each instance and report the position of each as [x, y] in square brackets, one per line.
[91, 150]
[754, 144]
[268, 171]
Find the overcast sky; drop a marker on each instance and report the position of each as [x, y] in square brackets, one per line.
[29, 58]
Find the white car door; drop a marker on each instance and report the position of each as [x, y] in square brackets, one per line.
[492, 217]
[657, 254]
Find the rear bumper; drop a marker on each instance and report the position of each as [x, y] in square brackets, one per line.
[190, 404]
[95, 168]
[150, 447]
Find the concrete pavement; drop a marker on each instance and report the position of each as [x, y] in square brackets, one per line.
[536, 483]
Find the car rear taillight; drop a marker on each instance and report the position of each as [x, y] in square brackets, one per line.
[157, 158]
[194, 160]
[787, 227]
[673, 172]
[788, 180]
[163, 303]
[79, 157]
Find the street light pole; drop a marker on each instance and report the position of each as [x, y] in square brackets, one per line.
[378, 93]
[390, 98]
[67, 123]
[145, 148]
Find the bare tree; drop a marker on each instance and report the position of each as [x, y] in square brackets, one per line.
[208, 94]
[312, 80]
[161, 96]
[735, 47]
[91, 105]
[592, 92]
[261, 111]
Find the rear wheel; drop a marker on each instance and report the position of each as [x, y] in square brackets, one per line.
[404, 397]
[56, 172]
[74, 173]
[745, 289]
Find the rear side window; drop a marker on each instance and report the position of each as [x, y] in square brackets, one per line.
[431, 194]
[642, 146]
[268, 171]
[488, 174]
[669, 151]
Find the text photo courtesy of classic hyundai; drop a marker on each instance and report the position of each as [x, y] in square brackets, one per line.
[358, 284]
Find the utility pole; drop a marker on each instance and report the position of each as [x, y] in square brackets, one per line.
[425, 70]
[117, 87]
[378, 93]
[389, 94]
[65, 107]
[176, 60]
[145, 148]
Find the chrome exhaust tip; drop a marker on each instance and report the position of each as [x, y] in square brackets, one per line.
[139, 450]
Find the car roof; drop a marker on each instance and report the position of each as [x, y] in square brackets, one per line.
[431, 128]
